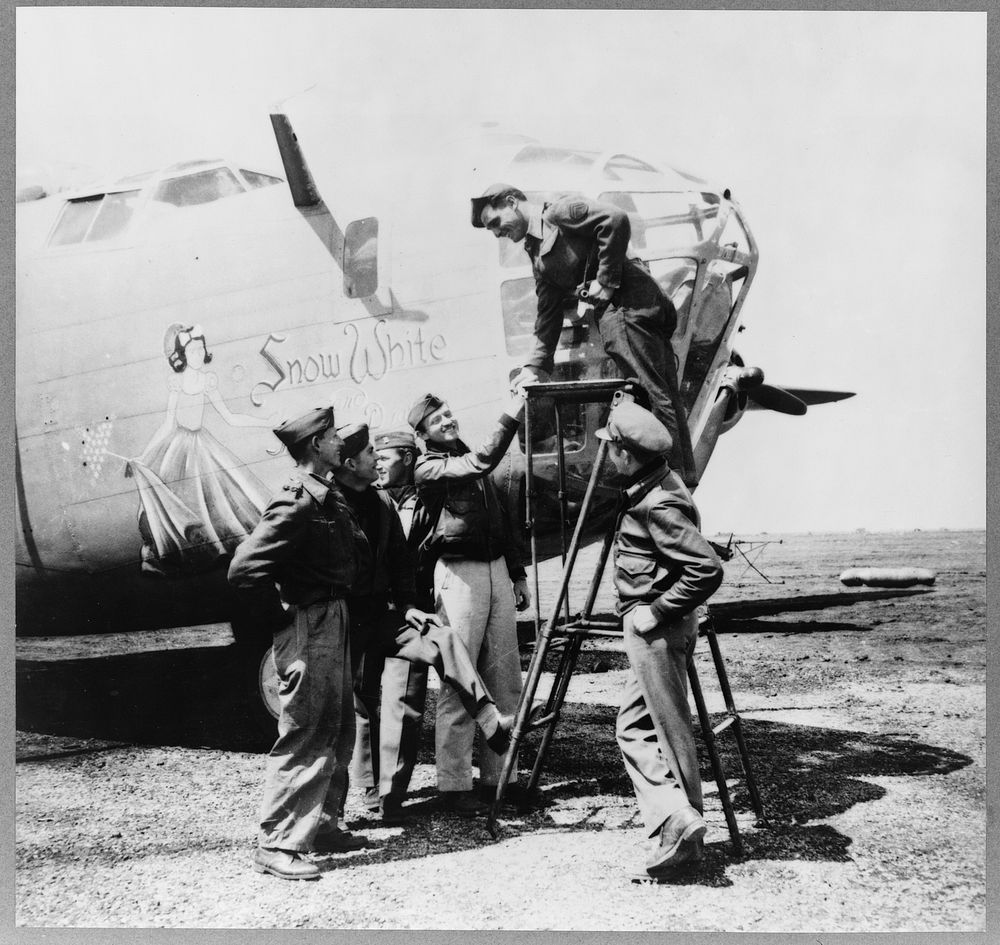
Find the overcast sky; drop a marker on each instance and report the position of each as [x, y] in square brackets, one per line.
[854, 142]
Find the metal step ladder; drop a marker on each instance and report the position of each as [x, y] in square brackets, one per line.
[565, 634]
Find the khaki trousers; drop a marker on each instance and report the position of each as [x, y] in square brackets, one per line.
[654, 722]
[306, 772]
[476, 599]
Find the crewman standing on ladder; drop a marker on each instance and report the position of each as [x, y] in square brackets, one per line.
[664, 569]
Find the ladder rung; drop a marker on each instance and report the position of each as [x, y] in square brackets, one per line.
[724, 724]
[542, 720]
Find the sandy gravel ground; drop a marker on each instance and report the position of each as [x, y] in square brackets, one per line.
[139, 771]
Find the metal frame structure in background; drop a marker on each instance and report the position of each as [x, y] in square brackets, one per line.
[568, 633]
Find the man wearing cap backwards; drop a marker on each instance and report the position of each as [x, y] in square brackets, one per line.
[664, 569]
[579, 244]
[292, 575]
[405, 632]
[476, 561]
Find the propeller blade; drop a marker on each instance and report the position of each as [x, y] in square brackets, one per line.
[766, 397]
[811, 397]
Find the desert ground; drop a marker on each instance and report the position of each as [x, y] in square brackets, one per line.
[140, 760]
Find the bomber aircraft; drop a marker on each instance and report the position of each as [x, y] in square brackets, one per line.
[167, 321]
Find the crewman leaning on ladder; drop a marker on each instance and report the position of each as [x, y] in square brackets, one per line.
[664, 570]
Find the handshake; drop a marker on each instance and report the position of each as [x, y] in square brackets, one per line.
[527, 375]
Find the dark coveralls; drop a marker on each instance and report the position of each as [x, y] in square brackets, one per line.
[387, 742]
[584, 240]
[304, 554]
[661, 559]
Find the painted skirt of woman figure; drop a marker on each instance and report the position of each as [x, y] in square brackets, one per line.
[198, 499]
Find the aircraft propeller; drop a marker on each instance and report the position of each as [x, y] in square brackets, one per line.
[768, 397]
[749, 381]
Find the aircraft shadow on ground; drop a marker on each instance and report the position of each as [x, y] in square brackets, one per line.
[799, 626]
[206, 698]
[202, 697]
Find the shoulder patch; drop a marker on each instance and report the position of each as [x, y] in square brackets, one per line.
[295, 487]
[577, 210]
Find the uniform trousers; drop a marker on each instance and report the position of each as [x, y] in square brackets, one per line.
[476, 599]
[397, 658]
[636, 340]
[306, 772]
[654, 722]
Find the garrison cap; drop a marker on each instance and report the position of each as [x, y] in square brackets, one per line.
[422, 408]
[492, 195]
[396, 439]
[635, 427]
[315, 422]
[355, 437]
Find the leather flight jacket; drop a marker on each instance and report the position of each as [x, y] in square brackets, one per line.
[462, 501]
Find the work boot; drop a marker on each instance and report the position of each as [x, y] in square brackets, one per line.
[392, 811]
[499, 741]
[680, 841]
[285, 864]
[464, 803]
[338, 840]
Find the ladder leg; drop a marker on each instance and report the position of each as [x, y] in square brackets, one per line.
[737, 723]
[561, 468]
[567, 664]
[556, 698]
[530, 686]
[520, 724]
[713, 754]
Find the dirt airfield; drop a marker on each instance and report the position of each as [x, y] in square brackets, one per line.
[139, 769]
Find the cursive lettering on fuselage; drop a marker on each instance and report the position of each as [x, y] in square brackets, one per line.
[367, 353]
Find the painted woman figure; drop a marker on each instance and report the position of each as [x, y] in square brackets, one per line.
[199, 500]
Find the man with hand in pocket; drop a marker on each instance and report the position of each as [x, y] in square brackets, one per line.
[664, 569]
[291, 576]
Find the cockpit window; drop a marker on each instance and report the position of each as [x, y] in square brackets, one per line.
[662, 222]
[94, 218]
[631, 171]
[256, 179]
[520, 306]
[563, 157]
[203, 187]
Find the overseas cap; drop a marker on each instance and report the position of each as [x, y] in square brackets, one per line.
[633, 426]
[355, 437]
[422, 409]
[492, 195]
[313, 423]
[396, 439]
